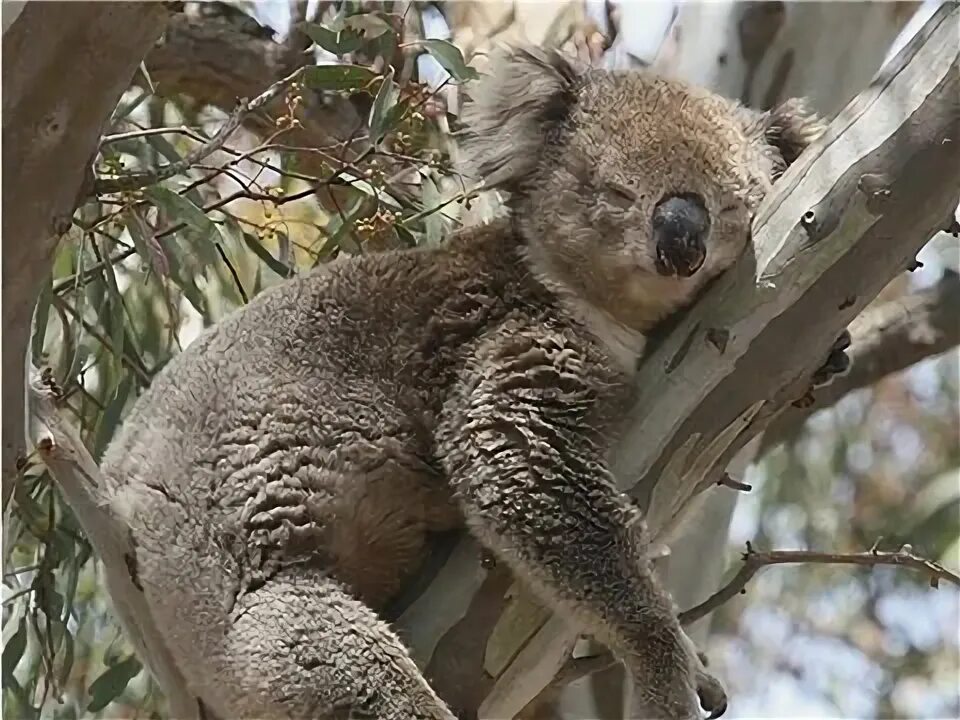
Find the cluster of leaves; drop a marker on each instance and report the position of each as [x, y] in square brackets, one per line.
[144, 268]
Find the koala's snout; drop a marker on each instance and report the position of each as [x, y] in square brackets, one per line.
[680, 227]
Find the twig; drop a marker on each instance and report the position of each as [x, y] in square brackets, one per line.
[753, 561]
[136, 181]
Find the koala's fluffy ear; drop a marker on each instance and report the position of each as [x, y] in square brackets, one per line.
[789, 128]
[527, 93]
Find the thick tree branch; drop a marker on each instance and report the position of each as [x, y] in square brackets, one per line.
[887, 339]
[824, 249]
[754, 561]
[216, 63]
[65, 66]
[86, 491]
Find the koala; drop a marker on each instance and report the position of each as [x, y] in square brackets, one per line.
[281, 476]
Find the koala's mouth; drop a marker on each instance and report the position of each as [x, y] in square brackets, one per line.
[679, 259]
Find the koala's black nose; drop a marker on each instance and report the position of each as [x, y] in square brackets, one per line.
[680, 227]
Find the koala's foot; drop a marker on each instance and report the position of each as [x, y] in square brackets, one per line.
[837, 363]
[713, 698]
[681, 693]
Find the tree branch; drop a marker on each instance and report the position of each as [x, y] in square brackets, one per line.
[824, 248]
[216, 63]
[754, 561]
[886, 339]
[86, 491]
[65, 66]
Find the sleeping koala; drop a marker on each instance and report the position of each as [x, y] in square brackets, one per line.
[281, 475]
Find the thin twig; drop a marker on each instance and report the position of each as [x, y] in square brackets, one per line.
[136, 181]
[753, 561]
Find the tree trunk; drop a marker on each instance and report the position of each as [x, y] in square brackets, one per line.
[65, 66]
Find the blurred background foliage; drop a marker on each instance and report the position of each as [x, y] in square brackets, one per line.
[145, 268]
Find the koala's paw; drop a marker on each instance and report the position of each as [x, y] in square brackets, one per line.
[680, 693]
[713, 698]
[837, 363]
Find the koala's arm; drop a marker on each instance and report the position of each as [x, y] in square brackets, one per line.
[534, 485]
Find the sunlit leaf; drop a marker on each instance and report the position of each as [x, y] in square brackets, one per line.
[450, 58]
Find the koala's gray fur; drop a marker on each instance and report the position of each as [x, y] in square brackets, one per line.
[281, 474]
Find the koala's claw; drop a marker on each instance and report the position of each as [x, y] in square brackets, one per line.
[837, 363]
[713, 698]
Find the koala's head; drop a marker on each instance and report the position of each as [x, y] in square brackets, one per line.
[631, 190]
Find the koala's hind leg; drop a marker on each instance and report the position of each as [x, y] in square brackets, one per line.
[300, 646]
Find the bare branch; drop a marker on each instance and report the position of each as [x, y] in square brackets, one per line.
[754, 561]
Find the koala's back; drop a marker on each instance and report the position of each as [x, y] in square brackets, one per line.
[300, 428]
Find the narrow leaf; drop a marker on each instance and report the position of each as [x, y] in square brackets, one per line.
[261, 252]
[379, 113]
[111, 684]
[13, 651]
[450, 58]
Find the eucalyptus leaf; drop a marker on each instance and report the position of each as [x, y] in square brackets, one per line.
[450, 58]
[338, 42]
[253, 242]
[111, 684]
[338, 77]
[13, 651]
[380, 111]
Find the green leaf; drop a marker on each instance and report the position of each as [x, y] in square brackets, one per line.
[177, 206]
[111, 414]
[146, 243]
[41, 316]
[13, 651]
[47, 597]
[379, 113]
[109, 686]
[66, 658]
[338, 77]
[338, 42]
[450, 58]
[117, 318]
[164, 147]
[261, 252]
[338, 228]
